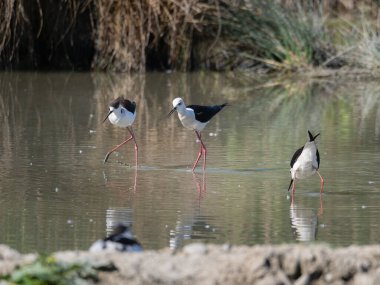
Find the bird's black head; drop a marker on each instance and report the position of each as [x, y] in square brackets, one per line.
[311, 137]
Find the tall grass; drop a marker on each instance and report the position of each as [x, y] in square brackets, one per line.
[270, 35]
[130, 35]
[362, 48]
[186, 34]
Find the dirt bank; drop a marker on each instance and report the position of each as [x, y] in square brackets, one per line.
[214, 264]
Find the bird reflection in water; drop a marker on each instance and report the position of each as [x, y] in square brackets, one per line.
[201, 184]
[191, 227]
[193, 224]
[304, 221]
[116, 184]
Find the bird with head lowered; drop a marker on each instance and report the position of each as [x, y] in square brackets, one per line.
[305, 162]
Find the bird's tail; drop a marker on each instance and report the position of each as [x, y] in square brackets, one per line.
[311, 137]
[290, 185]
[224, 105]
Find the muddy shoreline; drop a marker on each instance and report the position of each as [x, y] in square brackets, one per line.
[222, 264]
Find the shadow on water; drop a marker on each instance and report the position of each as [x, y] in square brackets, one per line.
[57, 194]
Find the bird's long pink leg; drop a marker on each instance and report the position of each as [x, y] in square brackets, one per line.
[200, 151]
[322, 181]
[134, 139]
[293, 188]
[203, 149]
[320, 212]
[204, 152]
[115, 148]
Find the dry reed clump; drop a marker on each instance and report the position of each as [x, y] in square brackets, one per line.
[12, 20]
[128, 31]
[45, 34]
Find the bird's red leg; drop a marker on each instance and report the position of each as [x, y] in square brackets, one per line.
[134, 139]
[293, 188]
[320, 212]
[200, 151]
[204, 152]
[322, 181]
[115, 148]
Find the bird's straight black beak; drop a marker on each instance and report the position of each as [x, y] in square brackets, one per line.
[171, 112]
[109, 113]
[290, 185]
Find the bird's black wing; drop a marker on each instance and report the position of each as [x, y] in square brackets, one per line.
[129, 105]
[296, 156]
[127, 241]
[204, 114]
[122, 239]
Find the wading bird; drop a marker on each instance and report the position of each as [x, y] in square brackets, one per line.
[120, 240]
[305, 162]
[195, 117]
[122, 113]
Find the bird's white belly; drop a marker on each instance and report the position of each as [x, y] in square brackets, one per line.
[122, 121]
[111, 246]
[305, 166]
[190, 123]
[304, 171]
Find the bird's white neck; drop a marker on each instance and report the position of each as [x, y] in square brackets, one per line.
[182, 109]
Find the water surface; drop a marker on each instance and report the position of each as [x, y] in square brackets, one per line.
[56, 193]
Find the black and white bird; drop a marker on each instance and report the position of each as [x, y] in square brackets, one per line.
[120, 240]
[195, 117]
[305, 162]
[122, 113]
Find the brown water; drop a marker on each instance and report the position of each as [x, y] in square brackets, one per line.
[56, 193]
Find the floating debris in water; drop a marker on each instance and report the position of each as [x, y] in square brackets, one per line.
[371, 182]
[80, 151]
[56, 189]
[92, 131]
[364, 206]
[31, 163]
[70, 222]
[213, 134]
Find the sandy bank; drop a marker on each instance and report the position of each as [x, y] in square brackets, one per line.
[214, 264]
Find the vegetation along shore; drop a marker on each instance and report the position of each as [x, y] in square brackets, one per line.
[185, 35]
